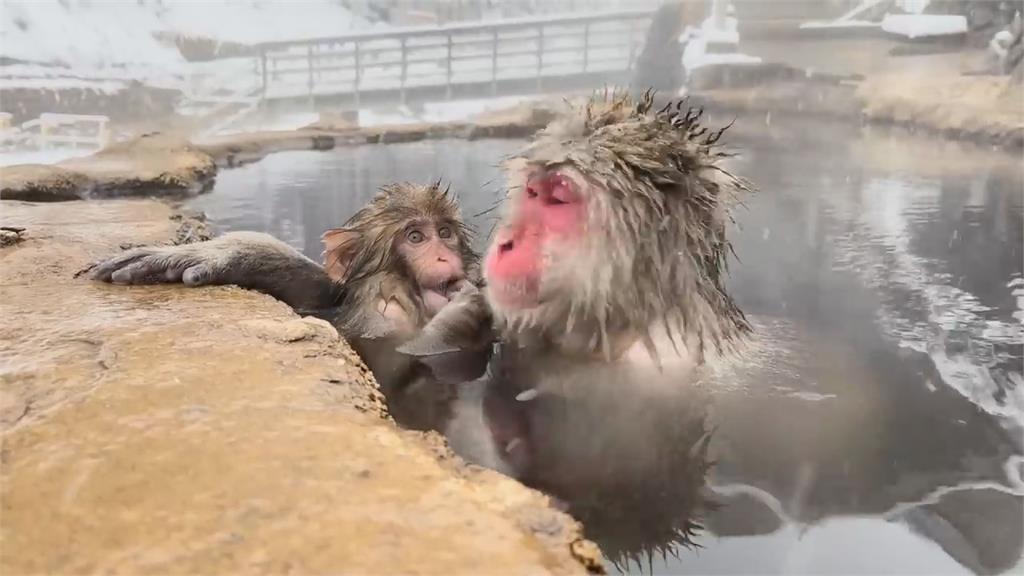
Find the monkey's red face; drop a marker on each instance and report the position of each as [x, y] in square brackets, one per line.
[431, 252]
[546, 220]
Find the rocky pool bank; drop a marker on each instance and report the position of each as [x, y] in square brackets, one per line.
[988, 110]
[171, 430]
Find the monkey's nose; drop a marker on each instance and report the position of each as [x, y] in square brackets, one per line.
[506, 246]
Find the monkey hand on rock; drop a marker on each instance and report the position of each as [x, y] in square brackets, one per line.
[250, 260]
[387, 272]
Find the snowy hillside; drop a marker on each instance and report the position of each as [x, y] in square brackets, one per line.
[259, 21]
[118, 40]
[96, 40]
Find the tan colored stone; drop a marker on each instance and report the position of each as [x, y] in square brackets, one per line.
[984, 108]
[236, 149]
[151, 164]
[174, 430]
[973, 108]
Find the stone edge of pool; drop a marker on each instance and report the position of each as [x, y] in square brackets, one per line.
[164, 165]
[985, 110]
[173, 430]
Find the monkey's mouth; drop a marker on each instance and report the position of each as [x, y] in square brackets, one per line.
[435, 296]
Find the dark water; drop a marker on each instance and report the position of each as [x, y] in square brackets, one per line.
[875, 424]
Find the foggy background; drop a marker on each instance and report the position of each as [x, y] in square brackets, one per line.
[215, 67]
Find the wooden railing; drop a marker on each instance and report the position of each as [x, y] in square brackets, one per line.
[530, 49]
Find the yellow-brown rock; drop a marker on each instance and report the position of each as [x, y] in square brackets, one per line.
[169, 430]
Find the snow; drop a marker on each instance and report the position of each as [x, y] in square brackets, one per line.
[390, 117]
[924, 25]
[440, 111]
[261, 21]
[695, 54]
[291, 121]
[694, 57]
[435, 112]
[838, 24]
[100, 44]
[48, 156]
[913, 6]
[859, 9]
[728, 34]
[95, 39]
[59, 83]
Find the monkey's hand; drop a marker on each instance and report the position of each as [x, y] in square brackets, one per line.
[247, 259]
[456, 343]
[465, 323]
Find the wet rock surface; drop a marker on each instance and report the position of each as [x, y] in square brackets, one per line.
[516, 122]
[172, 430]
[11, 235]
[150, 165]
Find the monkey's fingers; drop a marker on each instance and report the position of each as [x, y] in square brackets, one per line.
[106, 269]
[458, 286]
[156, 267]
[198, 275]
[148, 270]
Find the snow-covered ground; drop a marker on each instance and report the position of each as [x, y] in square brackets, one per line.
[441, 111]
[913, 24]
[70, 43]
[374, 116]
[260, 21]
[256, 123]
[84, 36]
[36, 76]
[838, 24]
[695, 55]
[924, 25]
[47, 156]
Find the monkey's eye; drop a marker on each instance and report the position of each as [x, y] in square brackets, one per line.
[444, 232]
[561, 191]
[415, 236]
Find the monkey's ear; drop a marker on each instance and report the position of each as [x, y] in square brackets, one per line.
[339, 249]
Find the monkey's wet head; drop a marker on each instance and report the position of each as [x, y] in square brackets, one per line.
[617, 220]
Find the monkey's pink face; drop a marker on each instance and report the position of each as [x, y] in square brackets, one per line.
[545, 224]
[432, 254]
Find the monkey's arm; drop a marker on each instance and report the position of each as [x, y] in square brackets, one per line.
[247, 259]
[456, 344]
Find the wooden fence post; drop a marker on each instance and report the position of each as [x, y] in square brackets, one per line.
[540, 57]
[494, 62]
[448, 74]
[586, 46]
[405, 66]
[358, 72]
[263, 71]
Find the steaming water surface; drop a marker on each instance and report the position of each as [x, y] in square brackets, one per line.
[875, 423]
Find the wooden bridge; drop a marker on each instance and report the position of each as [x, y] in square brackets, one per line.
[474, 60]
